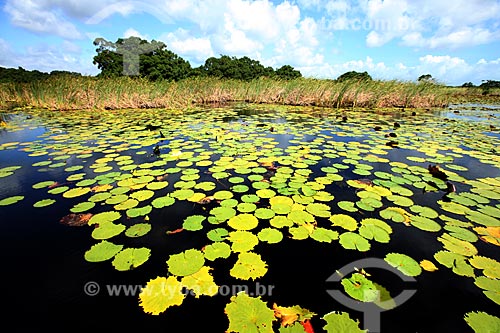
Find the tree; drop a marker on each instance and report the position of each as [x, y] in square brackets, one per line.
[468, 85]
[486, 84]
[287, 72]
[164, 64]
[236, 68]
[353, 75]
[22, 75]
[425, 78]
[136, 56]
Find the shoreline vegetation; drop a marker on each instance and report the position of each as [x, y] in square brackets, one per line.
[159, 78]
[66, 92]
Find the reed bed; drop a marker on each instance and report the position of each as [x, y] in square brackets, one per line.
[92, 93]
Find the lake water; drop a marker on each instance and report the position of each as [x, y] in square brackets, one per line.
[374, 163]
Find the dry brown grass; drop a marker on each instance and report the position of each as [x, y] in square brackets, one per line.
[70, 93]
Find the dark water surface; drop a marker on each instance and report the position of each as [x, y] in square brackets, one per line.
[46, 279]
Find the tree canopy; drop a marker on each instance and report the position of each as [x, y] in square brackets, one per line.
[425, 78]
[152, 60]
[22, 75]
[138, 57]
[353, 75]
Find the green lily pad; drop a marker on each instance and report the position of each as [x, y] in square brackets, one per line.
[104, 217]
[424, 211]
[360, 288]
[375, 229]
[223, 213]
[337, 322]
[482, 322]
[130, 258]
[406, 264]
[300, 217]
[185, 263]
[193, 222]
[243, 222]
[242, 241]
[324, 235]
[218, 234]
[455, 245]
[425, 223]
[270, 235]
[265, 193]
[461, 233]
[142, 195]
[490, 267]
[347, 206]
[102, 251]
[319, 209]
[76, 192]
[43, 184]
[249, 314]
[106, 230]
[353, 241]
[344, 221]
[249, 266]
[264, 213]
[43, 203]
[161, 293]
[280, 222]
[139, 211]
[217, 250]
[138, 230]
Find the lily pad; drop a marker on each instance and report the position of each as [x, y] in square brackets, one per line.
[344, 221]
[102, 251]
[337, 322]
[161, 293]
[360, 288]
[270, 235]
[201, 283]
[249, 266]
[138, 230]
[185, 263]
[106, 230]
[249, 314]
[43, 203]
[243, 222]
[131, 258]
[406, 264]
[217, 250]
[242, 241]
[482, 322]
[193, 222]
[353, 241]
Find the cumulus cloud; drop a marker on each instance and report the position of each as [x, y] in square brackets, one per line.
[431, 23]
[195, 49]
[46, 58]
[131, 32]
[445, 69]
[33, 16]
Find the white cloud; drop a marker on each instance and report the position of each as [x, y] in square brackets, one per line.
[131, 32]
[431, 23]
[34, 17]
[195, 50]
[444, 68]
[47, 58]
[234, 41]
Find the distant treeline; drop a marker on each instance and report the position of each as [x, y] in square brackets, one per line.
[134, 56]
[22, 75]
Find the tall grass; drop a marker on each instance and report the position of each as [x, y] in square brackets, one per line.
[74, 93]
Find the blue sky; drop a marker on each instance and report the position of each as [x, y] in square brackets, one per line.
[454, 41]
